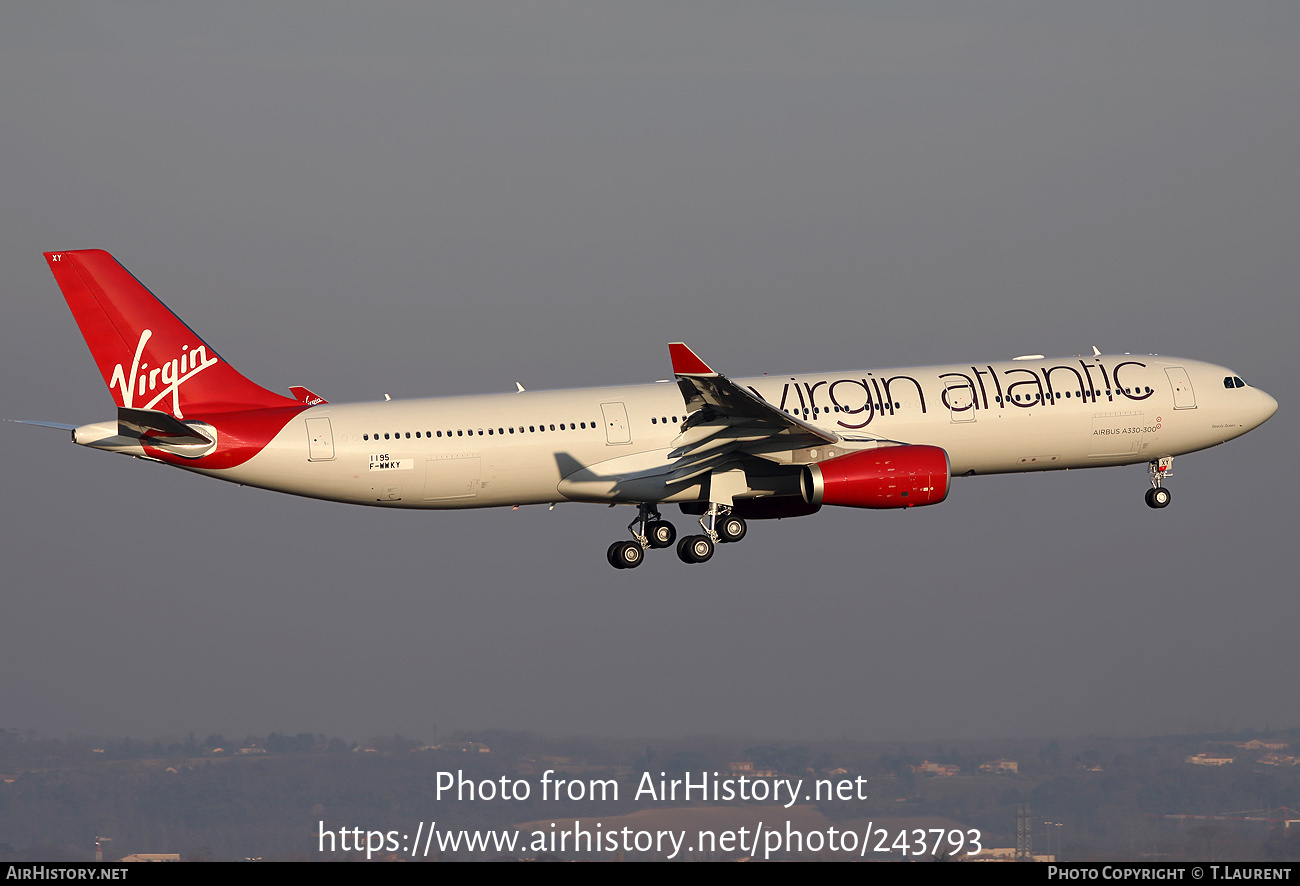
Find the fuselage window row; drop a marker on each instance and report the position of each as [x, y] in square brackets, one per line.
[815, 411]
[491, 432]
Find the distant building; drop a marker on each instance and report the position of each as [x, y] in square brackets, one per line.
[1005, 854]
[1208, 760]
[1279, 760]
[1255, 744]
[999, 767]
[746, 767]
[940, 770]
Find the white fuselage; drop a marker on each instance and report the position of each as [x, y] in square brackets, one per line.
[613, 444]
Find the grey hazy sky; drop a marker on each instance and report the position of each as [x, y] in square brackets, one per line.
[429, 199]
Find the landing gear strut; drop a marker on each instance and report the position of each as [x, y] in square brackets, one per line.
[649, 530]
[720, 526]
[1157, 495]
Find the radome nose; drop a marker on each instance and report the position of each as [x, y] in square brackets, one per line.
[1267, 407]
[1260, 408]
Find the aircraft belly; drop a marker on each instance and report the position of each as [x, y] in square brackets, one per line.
[1008, 442]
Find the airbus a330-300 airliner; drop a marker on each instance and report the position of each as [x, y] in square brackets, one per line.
[724, 450]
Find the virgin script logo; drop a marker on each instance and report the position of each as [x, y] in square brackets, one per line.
[165, 379]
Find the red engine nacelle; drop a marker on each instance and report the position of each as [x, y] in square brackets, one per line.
[892, 477]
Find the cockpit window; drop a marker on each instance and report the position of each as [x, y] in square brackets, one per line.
[1233, 381]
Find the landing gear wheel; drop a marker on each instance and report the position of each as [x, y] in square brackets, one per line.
[625, 555]
[1158, 497]
[661, 534]
[731, 529]
[695, 549]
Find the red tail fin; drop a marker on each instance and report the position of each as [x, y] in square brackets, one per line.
[148, 357]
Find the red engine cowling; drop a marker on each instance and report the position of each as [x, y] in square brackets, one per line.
[891, 477]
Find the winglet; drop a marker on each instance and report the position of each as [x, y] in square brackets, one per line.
[685, 362]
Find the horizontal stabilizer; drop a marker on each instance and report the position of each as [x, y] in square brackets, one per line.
[43, 424]
[159, 425]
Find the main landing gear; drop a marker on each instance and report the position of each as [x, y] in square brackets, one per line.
[650, 530]
[720, 526]
[1158, 496]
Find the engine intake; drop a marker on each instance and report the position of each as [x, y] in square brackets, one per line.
[891, 477]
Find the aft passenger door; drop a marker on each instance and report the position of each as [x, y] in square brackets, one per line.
[320, 440]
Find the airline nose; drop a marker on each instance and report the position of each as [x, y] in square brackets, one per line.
[1267, 407]
[1259, 408]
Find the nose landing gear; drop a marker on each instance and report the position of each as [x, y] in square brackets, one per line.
[1157, 496]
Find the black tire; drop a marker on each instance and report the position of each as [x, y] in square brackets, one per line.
[631, 555]
[695, 549]
[661, 534]
[612, 555]
[1158, 497]
[732, 529]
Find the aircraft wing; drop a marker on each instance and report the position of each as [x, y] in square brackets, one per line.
[724, 422]
[725, 417]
